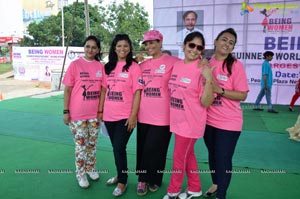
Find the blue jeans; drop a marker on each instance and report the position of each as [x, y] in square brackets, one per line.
[261, 94]
[221, 145]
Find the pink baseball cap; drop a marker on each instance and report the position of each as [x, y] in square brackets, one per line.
[152, 35]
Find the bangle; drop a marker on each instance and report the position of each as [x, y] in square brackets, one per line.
[66, 111]
[100, 112]
[223, 91]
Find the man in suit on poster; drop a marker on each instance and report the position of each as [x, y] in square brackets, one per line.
[189, 19]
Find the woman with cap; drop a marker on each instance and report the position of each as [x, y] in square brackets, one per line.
[153, 128]
[191, 91]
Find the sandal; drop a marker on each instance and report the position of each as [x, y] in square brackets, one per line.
[112, 180]
[118, 192]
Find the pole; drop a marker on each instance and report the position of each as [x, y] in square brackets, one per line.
[62, 23]
[87, 18]
[69, 38]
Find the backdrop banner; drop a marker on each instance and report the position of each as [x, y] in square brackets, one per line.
[38, 63]
[260, 26]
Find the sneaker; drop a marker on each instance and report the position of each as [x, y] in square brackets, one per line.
[142, 189]
[272, 111]
[93, 175]
[258, 109]
[83, 182]
[189, 195]
[171, 196]
[153, 188]
[291, 109]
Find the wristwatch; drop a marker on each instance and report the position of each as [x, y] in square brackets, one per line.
[223, 91]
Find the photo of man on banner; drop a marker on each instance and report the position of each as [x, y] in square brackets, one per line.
[187, 22]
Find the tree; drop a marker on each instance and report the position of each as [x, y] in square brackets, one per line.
[105, 22]
[128, 18]
[48, 32]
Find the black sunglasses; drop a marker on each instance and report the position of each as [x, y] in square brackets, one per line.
[192, 46]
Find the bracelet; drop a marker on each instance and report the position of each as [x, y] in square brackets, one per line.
[66, 111]
[100, 112]
[223, 91]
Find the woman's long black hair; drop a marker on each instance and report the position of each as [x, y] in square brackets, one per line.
[113, 57]
[230, 59]
[97, 41]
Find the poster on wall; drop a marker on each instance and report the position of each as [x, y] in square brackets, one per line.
[38, 63]
[261, 26]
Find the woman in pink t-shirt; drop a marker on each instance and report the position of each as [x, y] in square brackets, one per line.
[153, 127]
[224, 116]
[191, 93]
[83, 81]
[122, 99]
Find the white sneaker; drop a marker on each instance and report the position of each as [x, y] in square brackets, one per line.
[83, 182]
[189, 195]
[93, 175]
[171, 196]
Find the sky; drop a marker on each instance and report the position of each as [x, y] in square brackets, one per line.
[11, 23]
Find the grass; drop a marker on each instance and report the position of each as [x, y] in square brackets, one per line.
[5, 67]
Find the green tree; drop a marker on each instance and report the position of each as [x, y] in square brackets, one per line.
[128, 18]
[48, 32]
[105, 22]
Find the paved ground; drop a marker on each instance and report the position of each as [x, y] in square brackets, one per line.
[11, 88]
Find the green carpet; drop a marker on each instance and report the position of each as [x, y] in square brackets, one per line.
[34, 139]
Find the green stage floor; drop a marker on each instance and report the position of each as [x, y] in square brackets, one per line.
[37, 156]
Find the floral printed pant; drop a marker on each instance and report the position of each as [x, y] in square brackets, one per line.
[85, 137]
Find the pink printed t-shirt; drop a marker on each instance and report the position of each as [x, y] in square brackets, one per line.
[155, 98]
[86, 78]
[121, 87]
[225, 113]
[187, 115]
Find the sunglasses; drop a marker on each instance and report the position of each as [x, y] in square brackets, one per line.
[192, 46]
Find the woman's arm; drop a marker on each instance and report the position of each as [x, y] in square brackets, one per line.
[101, 104]
[207, 97]
[230, 94]
[131, 122]
[67, 96]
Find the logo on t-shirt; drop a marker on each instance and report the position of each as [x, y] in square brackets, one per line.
[217, 101]
[185, 80]
[114, 95]
[176, 103]
[162, 69]
[89, 95]
[140, 81]
[222, 77]
[123, 75]
[98, 74]
[152, 92]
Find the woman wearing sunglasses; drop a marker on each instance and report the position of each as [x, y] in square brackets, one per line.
[191, 93]
[224, 116]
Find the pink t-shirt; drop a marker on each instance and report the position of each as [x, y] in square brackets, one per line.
[187, 115]
[155, 99]
[121, 87]
[225, 113]
[86, 78]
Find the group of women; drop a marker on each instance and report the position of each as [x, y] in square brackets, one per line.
[162, 96]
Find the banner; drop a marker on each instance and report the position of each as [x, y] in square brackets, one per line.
[38, 63]
[260, 26]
